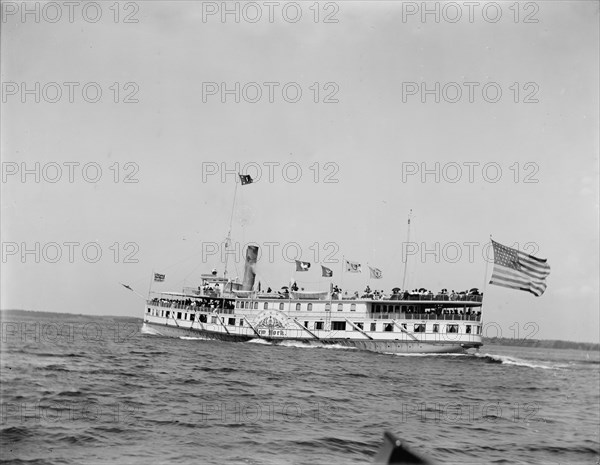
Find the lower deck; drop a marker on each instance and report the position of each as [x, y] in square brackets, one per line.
[359, 328]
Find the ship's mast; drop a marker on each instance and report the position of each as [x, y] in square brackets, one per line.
[228, 239]
[406, 258]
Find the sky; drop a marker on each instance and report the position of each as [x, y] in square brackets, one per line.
[123, 127]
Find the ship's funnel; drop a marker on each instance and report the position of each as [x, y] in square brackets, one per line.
[249, 274]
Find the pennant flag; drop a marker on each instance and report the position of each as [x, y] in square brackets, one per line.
[518, 270]
[159, 277]
[353, 267]
[246, 179]
[327, 272]
[376, 273]
[302, 266]
[127, 287]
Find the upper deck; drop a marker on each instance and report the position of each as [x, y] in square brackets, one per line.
[440, 300]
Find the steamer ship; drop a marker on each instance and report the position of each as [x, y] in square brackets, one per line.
[403, 322]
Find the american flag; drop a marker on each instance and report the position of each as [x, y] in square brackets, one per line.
[518, 270]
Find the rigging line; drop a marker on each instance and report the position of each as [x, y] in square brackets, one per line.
[406, 258]
[189, 257]
[228, 239]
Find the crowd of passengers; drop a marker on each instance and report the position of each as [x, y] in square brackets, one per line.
[337, 294]
[415, 294]
[194, 303]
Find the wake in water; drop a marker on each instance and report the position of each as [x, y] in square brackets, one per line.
[506, 360]
[301, 345]
[428, 355]
[149, 331]
[492, 358]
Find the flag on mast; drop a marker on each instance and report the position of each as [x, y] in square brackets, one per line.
[376, 273]
[327, 272]
[517, 270]
[302, 266]
[353, 267]
[245, 179]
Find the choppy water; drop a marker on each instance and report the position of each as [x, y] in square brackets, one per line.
[78, 390]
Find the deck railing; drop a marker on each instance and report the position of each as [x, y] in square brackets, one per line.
[330, 314]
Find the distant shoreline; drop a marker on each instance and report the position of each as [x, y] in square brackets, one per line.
[504, 341]
[541, 343]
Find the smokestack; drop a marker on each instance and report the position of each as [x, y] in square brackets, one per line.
[249, 274]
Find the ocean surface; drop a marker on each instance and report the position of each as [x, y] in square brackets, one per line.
[83, 390]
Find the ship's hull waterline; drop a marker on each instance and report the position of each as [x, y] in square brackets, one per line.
[382, 346]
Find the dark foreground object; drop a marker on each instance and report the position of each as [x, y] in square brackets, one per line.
[393, 451]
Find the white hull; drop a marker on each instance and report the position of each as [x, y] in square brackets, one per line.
[384, 346]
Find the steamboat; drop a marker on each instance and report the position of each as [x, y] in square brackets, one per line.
[402, 322]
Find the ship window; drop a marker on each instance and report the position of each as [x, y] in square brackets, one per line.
[318, 325]
[280, 305]
[241, 322]
[309, 307]
[377, 308]
[384, 308]
[179, 315]
[327, 307]
[255, 305]
[237, 304]
[266, 305]
[452, 328]
[298, 307]
[231, 321]
[373, 327]
[468, 329]
[403, 309]
[389, 327]
[340, 307]
[436, 328]
[420, 328]
[148, 311]
[162, 313]
[306, 324]
[396, 308]
[403, 325]
[360, 325]
[352, 307]
[338, 326]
